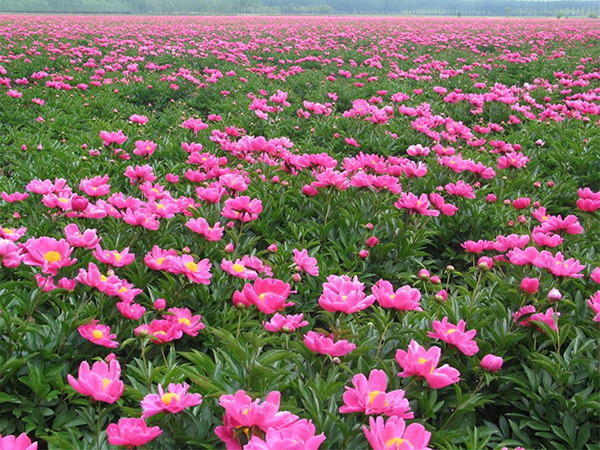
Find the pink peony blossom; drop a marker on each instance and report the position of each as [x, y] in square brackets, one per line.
[131, 432]
[98, 334]
[423, 363]
[102, 382]
[174, 400]
[393, 434]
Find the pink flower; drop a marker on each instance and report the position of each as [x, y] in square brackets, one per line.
[243, 412]
[595, 275]
[344, 294]
[113, 257]
[12, 234]
[403, 299]
[550, 318]
[131, 432]
[160, 331]
[198, 272]
[139, 119]
[238, 269]
[176, 399]
[559, 266]
[158, 259]
[594, 302]
[306, 263]
[298, 436]
[491, 363]
[242, 208]
[144, 148]
[268, 294]
[202, 227]
[96, 187]
[88, 239]
[369, 397]
[460, 189]
[530, 285]
[414, 204]
[131, 310]
[325, 345]
[98, 334]
[21, 442]
[141, 217]
[287, 324]
[423, 363]
[521, 203]
[455, 335]
[186, 322]
[48, 253]
[395, 435]
[112, 137]
[102, 382]
[14, 197]
[372, 241]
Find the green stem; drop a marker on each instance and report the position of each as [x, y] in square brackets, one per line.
[98, 425]
[459, 407]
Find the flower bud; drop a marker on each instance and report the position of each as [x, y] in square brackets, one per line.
[491, 363]
[160, 304]
[363, 253]
[372, 241]
[229, 248]
[272, 248]
[79, 203]
[424, 274]
[554, 295]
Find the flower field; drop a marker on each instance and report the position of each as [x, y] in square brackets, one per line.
[299, 233]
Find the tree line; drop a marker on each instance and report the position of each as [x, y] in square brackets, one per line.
[547, 8]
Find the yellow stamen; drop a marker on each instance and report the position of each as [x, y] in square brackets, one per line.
[8, 230]
[168, 398]
[52, 256]
[394, 443]
[422, 360]
[451, 330]
[105, 382]
[97, 334]
[185, 320]
[191, 266]
[238, 268]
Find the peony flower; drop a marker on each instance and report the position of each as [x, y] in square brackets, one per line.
[88, 239]
[530, 285]
[241, 412]
[202, 227]
[287, 324]
[325, 345]
[113, 257]
[96, 187]
[174, 400]
[48, 253]
[21, 442]
[98, 334]
[403, 299]
[369, 397]
[102, 382]
[306, 263]
[160, 331]
[198, 272]
[242, 208]
[491, 363]
[423, 363]
[393, 434]
[131, 432]
[594, 302]
[238, 269]
[455, 335]
[298, 436]
[186, 322]
[268, 294]
[345, 295]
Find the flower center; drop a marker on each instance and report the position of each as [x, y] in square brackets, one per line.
[451, 330]
[168, 398]
[105, 382]
[8, 230]
[238, 268]
[160, 261]
[191, 266]
[185, 320]
[262, 296]
[117, 256]
[52, 256]
[394, 443]
[422, 360]
[103, 278]
[372, 396]
[97, 334]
